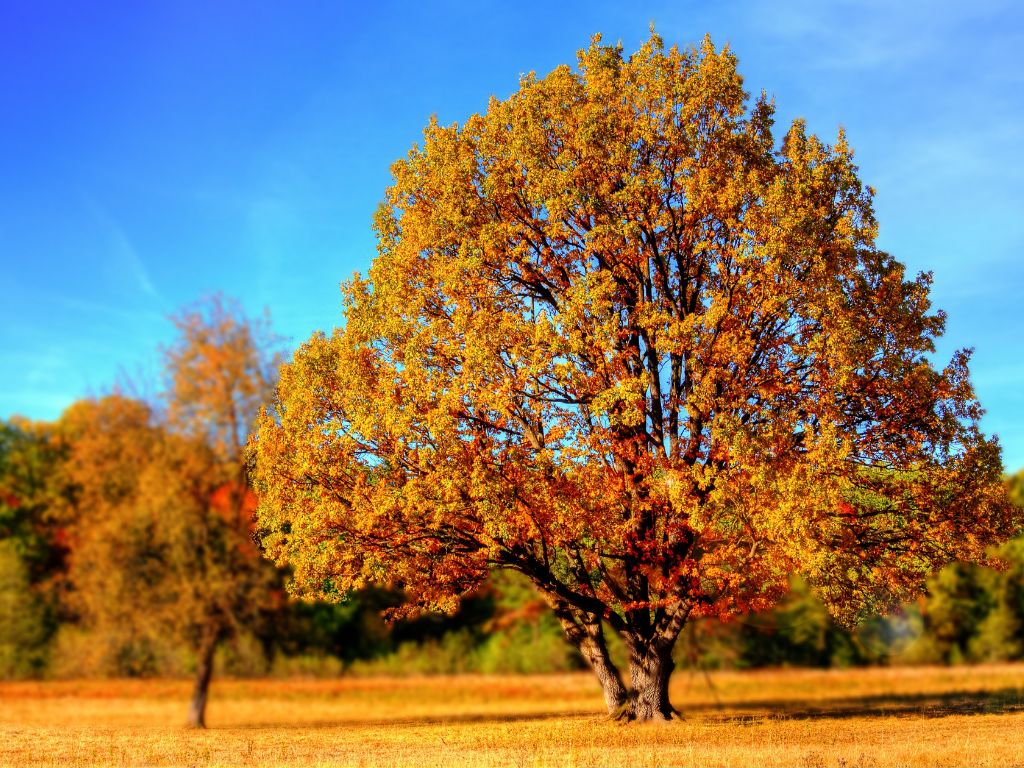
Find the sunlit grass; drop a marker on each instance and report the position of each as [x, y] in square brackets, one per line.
[970, 716]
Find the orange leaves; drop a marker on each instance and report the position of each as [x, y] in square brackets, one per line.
[220, 371]
[234, 503]
[159, 504]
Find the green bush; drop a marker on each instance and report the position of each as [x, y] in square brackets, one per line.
[23, 622]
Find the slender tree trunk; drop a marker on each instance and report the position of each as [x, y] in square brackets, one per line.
[204, 671]
[585, 632]
[595, 652]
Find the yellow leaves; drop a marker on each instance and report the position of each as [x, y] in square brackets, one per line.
[608, 319]
[623, 404]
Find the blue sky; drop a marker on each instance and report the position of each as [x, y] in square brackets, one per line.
[156, 152]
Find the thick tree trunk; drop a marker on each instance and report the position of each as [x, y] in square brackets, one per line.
[650, 656]
[650, 669]
[204, 671]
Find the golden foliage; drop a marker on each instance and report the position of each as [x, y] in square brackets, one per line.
[220, 372]
[618, 339]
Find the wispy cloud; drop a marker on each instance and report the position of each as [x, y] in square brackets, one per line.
[123, 262]
[868, 35]
[113, 313]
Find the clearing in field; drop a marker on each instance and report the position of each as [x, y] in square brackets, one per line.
[967, 716]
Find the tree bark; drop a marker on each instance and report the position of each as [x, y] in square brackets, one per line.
[204, 671]
[650, 669]
[595, 652]
[585, 632]
[650, 657]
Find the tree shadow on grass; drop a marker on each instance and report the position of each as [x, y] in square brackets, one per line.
[464, 718]
[1002, 701]
[992, 702]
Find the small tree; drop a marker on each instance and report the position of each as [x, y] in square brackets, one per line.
[162, 535]
[220, 373]
[619, 341]
[22, 616]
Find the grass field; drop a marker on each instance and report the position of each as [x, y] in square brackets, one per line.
[966, 716]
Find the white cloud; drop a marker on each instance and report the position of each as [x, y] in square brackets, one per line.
[122, 263]
[867, 35]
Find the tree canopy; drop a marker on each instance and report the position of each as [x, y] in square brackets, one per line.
[621, 340]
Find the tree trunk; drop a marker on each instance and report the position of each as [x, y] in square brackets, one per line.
[595, 652]
[650, 657]
[204, 671]
[650, 669]
[585, 632]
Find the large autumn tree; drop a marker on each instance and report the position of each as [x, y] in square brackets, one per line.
[621, 340]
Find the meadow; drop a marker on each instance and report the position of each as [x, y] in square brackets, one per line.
[961, 716]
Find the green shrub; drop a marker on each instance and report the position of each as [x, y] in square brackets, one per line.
[23, 625]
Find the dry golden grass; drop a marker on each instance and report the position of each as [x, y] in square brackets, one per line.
[968, 716]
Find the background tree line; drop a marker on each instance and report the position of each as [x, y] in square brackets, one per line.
[126, 549]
